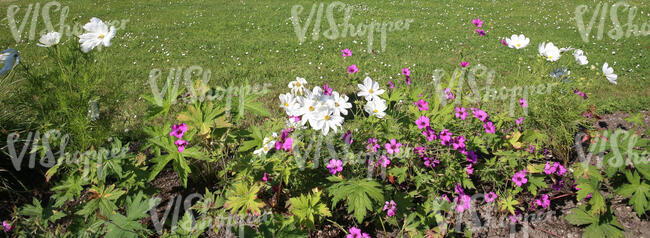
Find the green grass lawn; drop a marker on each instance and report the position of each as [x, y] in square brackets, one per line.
[255, 41]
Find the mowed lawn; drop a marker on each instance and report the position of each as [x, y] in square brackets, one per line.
[255, 41]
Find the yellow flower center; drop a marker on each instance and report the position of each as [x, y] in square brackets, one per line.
[375, 111]
[101, 36]
[311, 108]
[336, 104]
[286, 104]
[297, 84]
[371, 91]
[518, 45]
[327, 117]
[550, 57]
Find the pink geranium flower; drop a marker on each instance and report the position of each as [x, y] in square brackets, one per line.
[178, 130]
[543, 202]
[480, 32]
[353, 69]
[520, 178]
[430, 162]
[490, 197]
[523, 103]
[520, 121]
[422, 105]
[464, 64]
[390, 85]
[390, 208]
[422, 122]
[406, 72]
[489, 128]
[7, 226]
[448, 94]
[181, 145]
[480, 114]
[327, 90]
[356, 233]
[429, 133]
[461, 113]
[445, 137]
[335, 166]
[346, 53]
[265, 178]
[393, 146]
[347, 137]
[477, 22]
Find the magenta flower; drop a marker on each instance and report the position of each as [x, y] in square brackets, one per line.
[464, 64]
[335, 166]
[448, 94]
[373, 145]
[422, 122]
[419, 150]
[549, 168]
[489, 128]
[327, 90]
[463, 203]
[472, 157]
[558, 185]
[469, 170]
[523, 103]
[477, 22]
[393, 146]
[520, 121]
[531, 149]
[480, 114]
[287, 144]
[422, 105]
[445, 137]
[503, 42]
[408, 80]
[560, 169]
[520, 178]
[429, 133]
[265, 178]
[461, 113]
[390, 207]
[383, 161]
[356, 233]
[406, 72]
[353, 69]
[181, 145]
[515, 218]
[584, 95]
[430, 162]
[544, 202]
[178, 130]
[459, 189]
[458, 143]
[490, 197]
[390, 85]
[347, 137]
[346, 53]
[7, 226]
[444, 197]
[480, 32]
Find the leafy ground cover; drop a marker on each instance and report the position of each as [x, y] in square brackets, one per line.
[456, 127]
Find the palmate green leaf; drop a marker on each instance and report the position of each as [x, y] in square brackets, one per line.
[307, 207]
[508, 204]
[42, 215]
[360, 195]
[534, 183]
[597, 225]
[68, 190]
[242, 199]
[103, 199]
[638, 190]
[128, 226]
[591, 187]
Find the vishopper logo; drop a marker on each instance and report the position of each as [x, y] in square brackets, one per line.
[195, 79]
[347, 28]
[31, 18]
[177, 203]
[618, 30]
[468, 77]
[43, 145]
[614, 150]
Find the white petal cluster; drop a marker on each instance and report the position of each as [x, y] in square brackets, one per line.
[267, 145]
[370, 91]
[320, 109]
[97, 33]
[517, 41]
[609, 73]
[49, 39]
[549, 51]
[580, 57]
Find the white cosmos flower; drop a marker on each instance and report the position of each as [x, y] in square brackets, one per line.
[97, 33]
[298, 87]
[267, 144]
[49, 39]
[517, 41]
[327, 121]
[580, 57]
[370, 90]
[376, 108]
[288, 103]
[609, 73]
[549, 51]
[340, 103]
